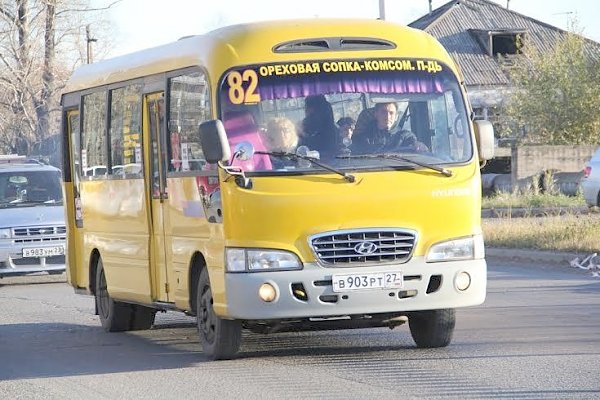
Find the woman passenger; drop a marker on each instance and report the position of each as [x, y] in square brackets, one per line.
[319, 131]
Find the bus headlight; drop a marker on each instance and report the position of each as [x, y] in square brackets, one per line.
[250, 260]
[235, 260]
[4, 233]
[468, 248]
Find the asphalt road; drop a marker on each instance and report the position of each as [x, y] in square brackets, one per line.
[536, 337]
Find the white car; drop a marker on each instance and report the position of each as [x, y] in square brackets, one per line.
[32, 219]
[590, 183]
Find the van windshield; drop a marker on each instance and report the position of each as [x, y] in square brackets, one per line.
[30, 188]
[338, 109]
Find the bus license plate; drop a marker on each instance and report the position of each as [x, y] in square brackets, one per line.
[44, 251]
[378, 280]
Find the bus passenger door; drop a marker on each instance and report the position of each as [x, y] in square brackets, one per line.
[76, 273]
[154, 111]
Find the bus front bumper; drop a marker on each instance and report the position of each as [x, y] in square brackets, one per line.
[308, 293]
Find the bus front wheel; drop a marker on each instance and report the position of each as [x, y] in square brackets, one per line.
[220, 338]
[432, 328]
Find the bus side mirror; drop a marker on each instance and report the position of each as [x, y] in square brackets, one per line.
[213, 140]
[484, 135]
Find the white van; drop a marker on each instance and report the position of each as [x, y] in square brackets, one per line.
[590, 183]
[32, 220]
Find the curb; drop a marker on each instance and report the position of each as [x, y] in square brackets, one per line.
[547, 258]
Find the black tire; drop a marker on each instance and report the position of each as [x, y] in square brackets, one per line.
[114, 315]
[432, 328]
[220, 338]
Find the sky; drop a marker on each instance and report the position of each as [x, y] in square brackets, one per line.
[140, 24]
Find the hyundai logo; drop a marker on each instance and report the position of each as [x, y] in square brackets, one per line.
[365, 248]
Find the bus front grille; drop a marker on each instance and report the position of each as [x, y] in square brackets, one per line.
[353, 247]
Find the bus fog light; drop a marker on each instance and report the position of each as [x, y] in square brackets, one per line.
[267, 292]
[462, 281]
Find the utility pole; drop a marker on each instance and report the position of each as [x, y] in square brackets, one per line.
[381, 9]
[89, 40]
[569, 20]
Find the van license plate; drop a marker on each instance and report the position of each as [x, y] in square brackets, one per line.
[44, 251]
[377, 280]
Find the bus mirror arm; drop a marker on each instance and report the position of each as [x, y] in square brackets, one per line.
[240, 178]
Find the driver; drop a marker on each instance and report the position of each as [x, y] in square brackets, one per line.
[381, 134]
[281, 135]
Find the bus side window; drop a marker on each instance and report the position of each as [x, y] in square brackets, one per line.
[189, 105]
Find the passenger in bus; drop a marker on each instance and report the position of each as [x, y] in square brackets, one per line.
[346, 129]
[377, 131]
[318, 130]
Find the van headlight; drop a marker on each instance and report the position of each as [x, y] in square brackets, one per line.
[5, 233]
[251, 260]
[468, 248]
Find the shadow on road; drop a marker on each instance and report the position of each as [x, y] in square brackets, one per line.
[41, 350]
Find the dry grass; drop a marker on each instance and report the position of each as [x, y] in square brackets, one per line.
[532, 199]
[573, 233]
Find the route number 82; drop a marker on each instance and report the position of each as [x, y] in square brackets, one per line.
[237, 93]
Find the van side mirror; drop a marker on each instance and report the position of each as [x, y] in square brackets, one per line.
[484, 135]
[213, 140]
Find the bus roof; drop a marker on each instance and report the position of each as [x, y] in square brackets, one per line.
[254, 43]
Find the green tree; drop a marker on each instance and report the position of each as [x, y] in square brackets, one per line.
[556, 94]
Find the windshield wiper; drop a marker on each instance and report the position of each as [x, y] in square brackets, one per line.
[295, 157]
[392, 156]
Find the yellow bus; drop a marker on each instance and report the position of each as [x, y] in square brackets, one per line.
[208, 176]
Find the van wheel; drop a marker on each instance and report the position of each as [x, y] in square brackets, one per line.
[114, 315]
[220, 338]
[432, 328]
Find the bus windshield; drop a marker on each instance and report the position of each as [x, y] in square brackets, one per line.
[351, 114]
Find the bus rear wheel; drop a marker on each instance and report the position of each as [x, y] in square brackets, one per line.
[432, 328]
[114, 315]
[220, 338]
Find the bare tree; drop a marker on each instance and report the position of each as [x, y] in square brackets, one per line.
[40, 44]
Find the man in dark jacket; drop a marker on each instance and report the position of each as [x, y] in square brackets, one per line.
[377, 132]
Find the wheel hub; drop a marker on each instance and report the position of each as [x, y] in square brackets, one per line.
[206, 317]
